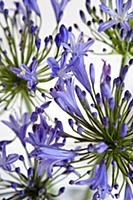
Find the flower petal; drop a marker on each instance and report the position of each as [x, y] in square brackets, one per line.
[119, 6]
[107, 10]
[130, 15]
[106, 25]
[126, 25]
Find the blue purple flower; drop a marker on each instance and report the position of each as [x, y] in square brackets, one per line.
[99, 181]
[121, 15]
[6, 161]
[28, 74]
[65, 97]
[48, 142]
[50, 157]
[32, 5]
[59, 70]
[19, 126]
[128, 192]
[103, 121]
[59, 8]
[78, 47]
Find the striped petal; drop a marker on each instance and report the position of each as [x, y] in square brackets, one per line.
[104, 26]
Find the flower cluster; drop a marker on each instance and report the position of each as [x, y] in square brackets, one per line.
[104, 124]
[111, 24]
[101, 119]
[38, 176]
[23, 54]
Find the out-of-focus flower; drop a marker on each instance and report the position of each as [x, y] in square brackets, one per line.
[23, 62]
[32, 5]
[120, 16]
[116, 14]
[78, 48]
[7, 161]
[59, 8]
[128, 192]
[19, 126]
[39, 176]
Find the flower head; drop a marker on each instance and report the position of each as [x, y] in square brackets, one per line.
[59, 8]
[120, 16]
[23, 62]
[78, 47]
[49, 152]
[104, 123]
[6, 161]
[128, 192]
[19, 126]
[99, 181]
[32, 5]
[28, 74]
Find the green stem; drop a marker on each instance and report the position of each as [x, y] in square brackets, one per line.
[87, 195]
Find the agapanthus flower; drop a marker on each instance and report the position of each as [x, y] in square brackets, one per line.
[32, 5]
[65, 97]
[7, 161]
[62, 36]
[58, 6]
[116, 14]
[34, 173]
[58, 70]
[99, 182]
[25, 184]
[48, 143]
[128, 192]
[28, 74]
[78, 47]
[120, 16]
[23, 62]
[50, 157]
[19, 126]
[105, 120]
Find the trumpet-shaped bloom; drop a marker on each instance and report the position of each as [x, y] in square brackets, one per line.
[58, 70]
[6, 161]
[78, 47]
[59, 8]
[77, 66]
[19, 126]
[47, 141]
[43, 134]
[28, 74]
[65, 97]
[128, 192]
[32, 5]
[52, 156]
[121, 15]
[99, 181]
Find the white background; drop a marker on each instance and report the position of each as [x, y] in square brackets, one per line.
[71, 16]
